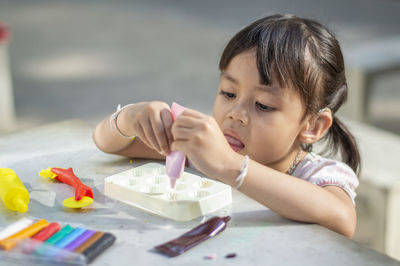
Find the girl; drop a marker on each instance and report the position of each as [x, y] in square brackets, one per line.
[282, 81]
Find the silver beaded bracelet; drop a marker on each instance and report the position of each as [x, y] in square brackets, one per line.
[243, 172]
[113, 121]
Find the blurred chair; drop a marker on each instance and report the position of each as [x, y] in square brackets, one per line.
[378, 196]
[365, 63]
[7, 112]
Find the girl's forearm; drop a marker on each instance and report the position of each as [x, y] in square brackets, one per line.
[107, 139]
[297, 199]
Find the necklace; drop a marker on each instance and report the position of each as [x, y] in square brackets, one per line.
[295, 162]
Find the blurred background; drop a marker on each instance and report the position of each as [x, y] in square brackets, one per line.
[81, 58]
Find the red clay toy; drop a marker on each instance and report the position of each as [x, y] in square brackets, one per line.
[67, 176]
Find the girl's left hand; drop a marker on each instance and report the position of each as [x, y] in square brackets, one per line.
[201, 139]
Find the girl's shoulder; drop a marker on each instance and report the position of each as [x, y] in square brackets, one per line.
[327, 172]
[313, 163]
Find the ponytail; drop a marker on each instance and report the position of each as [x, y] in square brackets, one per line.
[340, 137]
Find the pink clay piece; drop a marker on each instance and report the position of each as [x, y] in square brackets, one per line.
[175, 162]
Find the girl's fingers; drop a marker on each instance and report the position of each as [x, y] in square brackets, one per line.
[192, 113]
[159, 132]
[179, 145]
[148, 132]
[142, 136]
[167, 123]
[182, 133]
[186, 121]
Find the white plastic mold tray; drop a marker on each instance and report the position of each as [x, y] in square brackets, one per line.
[148, 187]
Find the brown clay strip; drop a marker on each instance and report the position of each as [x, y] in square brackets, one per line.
[89, 242]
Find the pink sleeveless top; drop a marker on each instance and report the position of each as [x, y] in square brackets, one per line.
[327, 172]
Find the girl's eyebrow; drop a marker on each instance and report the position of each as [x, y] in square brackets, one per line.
[268, 89]
[229, 77]
[271, 89]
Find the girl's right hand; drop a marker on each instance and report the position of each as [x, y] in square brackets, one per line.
[151, 122]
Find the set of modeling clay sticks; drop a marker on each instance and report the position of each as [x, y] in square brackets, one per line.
[48, 242]
[44, 242]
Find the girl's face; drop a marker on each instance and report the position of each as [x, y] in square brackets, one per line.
[258, 120]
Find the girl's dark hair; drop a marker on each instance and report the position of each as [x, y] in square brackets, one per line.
[305, 56]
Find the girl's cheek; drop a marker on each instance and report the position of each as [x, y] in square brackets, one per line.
[218, 112]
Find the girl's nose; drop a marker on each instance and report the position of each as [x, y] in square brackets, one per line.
[239, 114]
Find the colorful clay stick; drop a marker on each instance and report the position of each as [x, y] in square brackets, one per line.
[47, 232]
[99, 247]
[67, 252]
[15, 227]
[175, 161]
[43, 249]
[70, 237]
[11, 241]
[60, 235]
[80, 240]
[63, 242]
[96, 236]
[41, 236]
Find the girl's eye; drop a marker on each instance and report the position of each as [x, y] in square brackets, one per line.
[227, 94]
[263, 107]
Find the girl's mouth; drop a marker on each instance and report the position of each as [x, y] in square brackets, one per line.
[235, 144]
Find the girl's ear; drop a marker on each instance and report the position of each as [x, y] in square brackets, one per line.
[315, 127]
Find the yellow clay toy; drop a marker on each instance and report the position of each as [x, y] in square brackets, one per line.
[12, 191]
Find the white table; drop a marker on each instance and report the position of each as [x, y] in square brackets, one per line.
[257, 235]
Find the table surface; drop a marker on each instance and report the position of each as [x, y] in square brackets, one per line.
[257, 235]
